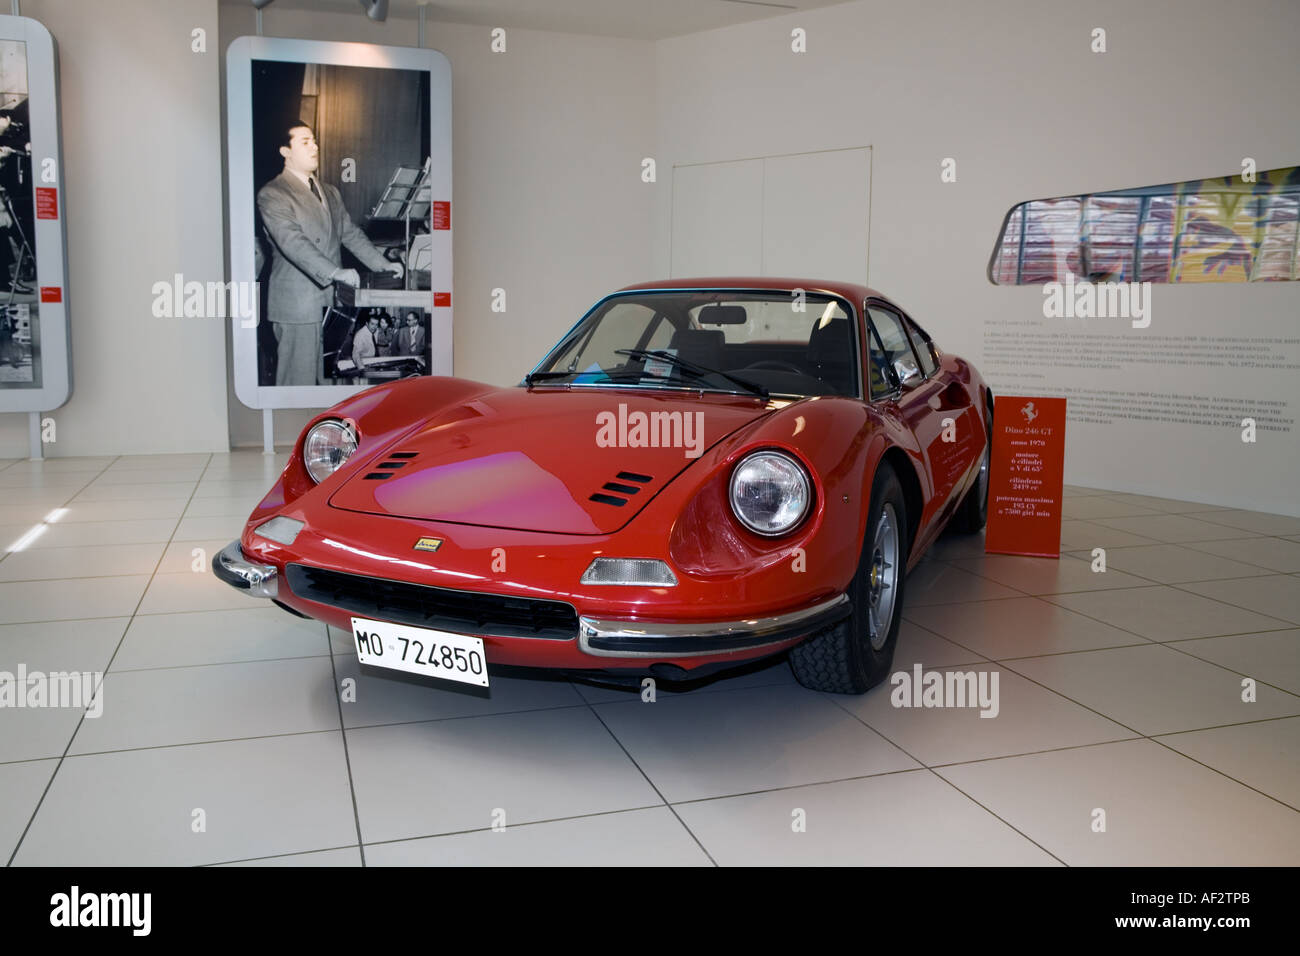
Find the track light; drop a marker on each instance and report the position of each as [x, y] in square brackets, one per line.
[376, 9]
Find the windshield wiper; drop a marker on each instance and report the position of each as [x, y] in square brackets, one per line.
[532, 377]
[700, 371]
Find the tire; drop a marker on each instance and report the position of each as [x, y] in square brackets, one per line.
[856, 654]
[973, 513]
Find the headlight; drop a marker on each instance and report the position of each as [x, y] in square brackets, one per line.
[770, 493]
[327, 447]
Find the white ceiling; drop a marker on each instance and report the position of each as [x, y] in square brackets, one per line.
[636, 19]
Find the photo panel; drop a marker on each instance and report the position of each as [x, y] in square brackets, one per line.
[340, 212]
[35, 373]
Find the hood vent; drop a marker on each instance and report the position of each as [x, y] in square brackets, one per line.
[385, 469]
[627, 483]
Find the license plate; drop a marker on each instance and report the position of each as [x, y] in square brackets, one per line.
[419, 650]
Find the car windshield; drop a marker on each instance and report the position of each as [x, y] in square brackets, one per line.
[777, 343]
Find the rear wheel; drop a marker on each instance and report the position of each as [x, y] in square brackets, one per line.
[855, 655]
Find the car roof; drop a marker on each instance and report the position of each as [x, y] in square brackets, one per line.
[852, 291]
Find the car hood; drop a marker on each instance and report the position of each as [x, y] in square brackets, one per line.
[557, 460]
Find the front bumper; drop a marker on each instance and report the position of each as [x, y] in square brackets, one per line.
[599, 640]
[614, 638]
[258, 580]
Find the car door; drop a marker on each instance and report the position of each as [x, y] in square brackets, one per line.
[919, 394]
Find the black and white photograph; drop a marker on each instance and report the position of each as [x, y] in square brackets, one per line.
[19, 311]
[343, 212]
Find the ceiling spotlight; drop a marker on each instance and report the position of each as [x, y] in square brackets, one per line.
[259, 4]
[376, 9]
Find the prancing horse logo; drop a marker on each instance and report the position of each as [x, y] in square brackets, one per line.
[428, 544]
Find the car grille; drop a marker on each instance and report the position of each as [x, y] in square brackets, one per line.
[421, 605]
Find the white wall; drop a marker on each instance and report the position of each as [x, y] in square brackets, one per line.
[1011, 90]
[141, 150]
[547, 201]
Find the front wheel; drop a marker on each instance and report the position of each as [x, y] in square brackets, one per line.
[855, 655]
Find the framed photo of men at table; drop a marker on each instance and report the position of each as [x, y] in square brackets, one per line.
[340, 213]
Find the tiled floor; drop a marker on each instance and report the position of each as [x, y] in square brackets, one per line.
[1149, 714]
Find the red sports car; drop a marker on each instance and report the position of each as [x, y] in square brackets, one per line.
[701, 473]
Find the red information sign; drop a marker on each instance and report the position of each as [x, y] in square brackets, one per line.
[442, 300]
[441, 215]
[1026, 476]
[47, 202]
[51, 293]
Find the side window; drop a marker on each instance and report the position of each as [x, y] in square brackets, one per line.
[923, 352]
[890, 349]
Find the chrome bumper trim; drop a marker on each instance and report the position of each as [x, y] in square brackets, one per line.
[614, 638]
[259, 580]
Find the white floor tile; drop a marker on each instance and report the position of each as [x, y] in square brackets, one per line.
[1275, 554]
[254, 633]
[1275, 595]
[650, 837]
[899, 819]
[1027, 718]
[1026, 627]
[1175, 564]
[96, 560]
[712, 745]
[69, 599]
[1161, 809]
[21, 787]
[941, 583]
[195, 591]
[1162, 613]
[213, 702]
[1264, 755]
[343, 856]
[1047, 575]
[259, 798]
[415, 780]
[1154, 689]
[60, 645]
[1270, 656]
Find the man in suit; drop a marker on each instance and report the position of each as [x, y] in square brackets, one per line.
[363, 344]
[307, 224]
[410, 340]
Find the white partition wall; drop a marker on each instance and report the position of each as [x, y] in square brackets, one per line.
[800, 214]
